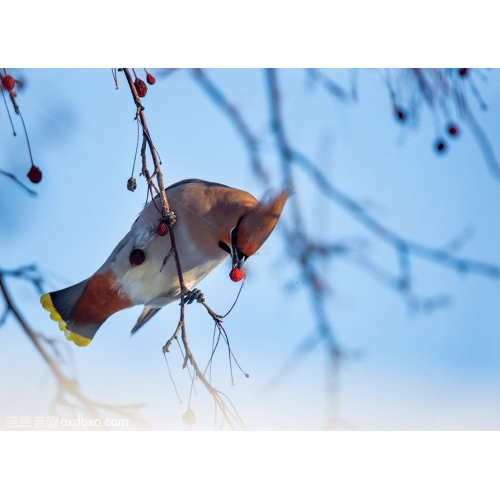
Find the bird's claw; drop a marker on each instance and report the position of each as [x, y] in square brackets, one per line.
[191, 295]
[170, 218]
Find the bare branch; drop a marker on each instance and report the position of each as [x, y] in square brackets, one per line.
[328, 84]
[66, 386]
[249, 139]
[18, 182]
[391, 237]
[169, 218]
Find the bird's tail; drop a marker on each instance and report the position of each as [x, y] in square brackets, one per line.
[60, 305]
[81, 309]
[147, 313]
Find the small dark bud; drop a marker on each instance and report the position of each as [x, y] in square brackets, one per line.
[131, 184]
[150, 79]
[440, 146]
[400, 114]
[463, 72]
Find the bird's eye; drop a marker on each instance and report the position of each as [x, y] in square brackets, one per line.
[225, 247]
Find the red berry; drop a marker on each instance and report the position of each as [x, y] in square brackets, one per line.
[8, 82]
[162, 229]
[462, 71]
[452, 129]
[137, 257]
[141, 87]
[236, 274]
[34, 174]
[150, 79]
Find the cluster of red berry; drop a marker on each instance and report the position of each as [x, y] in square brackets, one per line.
[452, 128]
[8, 83]
[452, 131]
[141, 86]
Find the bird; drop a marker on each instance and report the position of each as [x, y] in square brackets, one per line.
[212, 222]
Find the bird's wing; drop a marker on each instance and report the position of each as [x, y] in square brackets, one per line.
[146, 315]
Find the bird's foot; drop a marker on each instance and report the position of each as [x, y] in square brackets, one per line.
[191, 295]
[170, 218]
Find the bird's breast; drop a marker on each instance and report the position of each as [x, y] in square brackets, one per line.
[155, 281]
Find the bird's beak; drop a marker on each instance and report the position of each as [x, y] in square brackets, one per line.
[238, 259]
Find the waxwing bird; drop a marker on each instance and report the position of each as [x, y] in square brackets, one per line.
[213, 222]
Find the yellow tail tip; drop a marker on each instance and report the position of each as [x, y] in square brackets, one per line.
[47, 304]
[77, 339]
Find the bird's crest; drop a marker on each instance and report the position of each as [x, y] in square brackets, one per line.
[257, 224]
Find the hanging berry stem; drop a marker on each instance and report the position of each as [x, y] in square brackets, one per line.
[142, 120]
[131, 183]
[8, 112]
[115, 78]
[26, 134]
[157, 173]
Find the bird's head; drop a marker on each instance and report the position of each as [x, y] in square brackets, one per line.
[253, 228]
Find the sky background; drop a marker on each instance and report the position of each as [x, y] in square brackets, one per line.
[437, 372]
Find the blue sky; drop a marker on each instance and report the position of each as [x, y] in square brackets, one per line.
[437, 371]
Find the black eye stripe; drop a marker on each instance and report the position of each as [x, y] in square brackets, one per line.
[234, 241]
[225, 247]
[234, 233]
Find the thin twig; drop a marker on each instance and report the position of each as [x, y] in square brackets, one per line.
[18, 182]
[232, 112]
[66, 385]
[170, 219]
